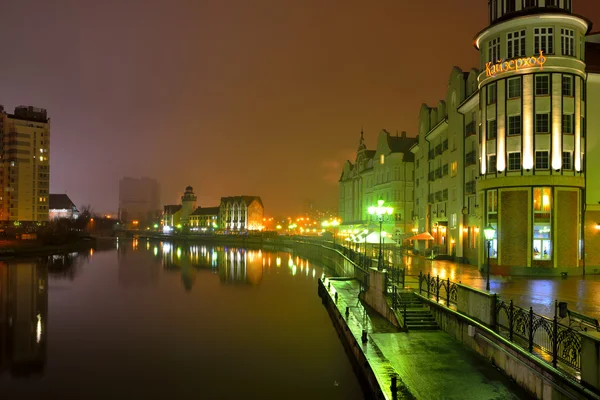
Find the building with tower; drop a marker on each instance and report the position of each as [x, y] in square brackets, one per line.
[188, 205]
[25, 165]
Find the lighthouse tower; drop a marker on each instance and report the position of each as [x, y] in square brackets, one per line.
[188, 205]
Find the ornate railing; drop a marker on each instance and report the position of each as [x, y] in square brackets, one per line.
[437, 288]
[533, 331]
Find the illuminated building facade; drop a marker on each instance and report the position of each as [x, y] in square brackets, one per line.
[532, 105]
[25, 165]
[188, 205]
[61, 206]
[385, 173]
[171, 217]
[241, 213]
[204, 219]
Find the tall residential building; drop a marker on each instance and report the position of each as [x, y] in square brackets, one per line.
[382, 174]
[25, 164]
[139, 200]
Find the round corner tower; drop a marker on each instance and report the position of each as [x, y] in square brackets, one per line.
[188, 204]
[532, 132]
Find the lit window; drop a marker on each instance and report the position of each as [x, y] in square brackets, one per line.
[516, 44]
[514, 88]
[542, 224]
[514, 161]
[514, 125]
[454, 168]
[543, 40]
[541, 160]
[567, 41]
[382, 159]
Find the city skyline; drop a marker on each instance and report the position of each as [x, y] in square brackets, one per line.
[273, 94]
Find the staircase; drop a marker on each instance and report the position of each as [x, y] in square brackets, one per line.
[418, 318]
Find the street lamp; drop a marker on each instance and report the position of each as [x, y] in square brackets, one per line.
[382, 213]
[335, 224]
[489, 233]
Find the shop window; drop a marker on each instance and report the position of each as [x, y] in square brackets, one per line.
[542, 223]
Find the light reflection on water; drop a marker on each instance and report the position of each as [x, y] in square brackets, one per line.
[170, 321]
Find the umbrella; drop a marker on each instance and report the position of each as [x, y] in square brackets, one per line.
[421, 236]
[373, 237]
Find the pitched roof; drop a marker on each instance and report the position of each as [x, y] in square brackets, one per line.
[246, 199]
[172, 208]
[206, 211]
[402, 144]
[60, 202]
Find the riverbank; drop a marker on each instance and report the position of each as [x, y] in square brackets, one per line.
[23, 248]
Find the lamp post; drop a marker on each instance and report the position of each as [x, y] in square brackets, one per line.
[381, 213]
[489, 233]
[335, 224]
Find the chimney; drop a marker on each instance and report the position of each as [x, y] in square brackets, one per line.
[403, 134]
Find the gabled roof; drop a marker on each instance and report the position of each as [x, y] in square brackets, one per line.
[206, 211]
[246, 199]
[172, 209]
[402, 144]
[60, 202]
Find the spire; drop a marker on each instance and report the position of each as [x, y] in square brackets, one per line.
[362, 136]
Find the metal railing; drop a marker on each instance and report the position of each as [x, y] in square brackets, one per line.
[437, 289]
[533, 331]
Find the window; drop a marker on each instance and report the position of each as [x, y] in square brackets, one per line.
[567, 85]
[542, 123]
[491, 130]
[491, 169]
[494, 50]
[445, 170]
[454, 168]
[541, 160]
[382, 159]
[492, 219]
[542, 226]
[514, 88]
[516, 44]
[514, 161]
[567, 42]
[492, 93]
[514, 125]
[529, 3]
[567, 123]
[567, 160]
[543, 40]
[542, 85]
[511, 6]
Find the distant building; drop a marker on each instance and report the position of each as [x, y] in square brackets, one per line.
[24, 165]
[61, 206]
[139, 200]
[171, 217]
[241, 213]
[204, 218]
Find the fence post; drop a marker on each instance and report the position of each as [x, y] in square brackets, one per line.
[511, 311]
[555, 335]
[420, 280]
[437, 289]
[448, 293]
[428, 284]
[530, 329]
[405, 315]
[403, 278]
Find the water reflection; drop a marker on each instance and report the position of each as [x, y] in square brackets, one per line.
[23, 317]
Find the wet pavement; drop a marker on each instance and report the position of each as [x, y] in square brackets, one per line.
[581, 294]
[429, 365]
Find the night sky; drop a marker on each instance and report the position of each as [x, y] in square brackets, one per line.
[257, 97]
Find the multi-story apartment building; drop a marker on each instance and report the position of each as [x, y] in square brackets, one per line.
[385, 173]
[25, 165]
[139, 200]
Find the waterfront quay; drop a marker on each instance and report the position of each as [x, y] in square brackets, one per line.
[409, 365]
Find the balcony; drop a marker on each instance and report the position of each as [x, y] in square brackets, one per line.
[438, 150]
[445, 145]
[471, 158]
[471, 187]
[471, 129]
[438, 173]
[431, 177]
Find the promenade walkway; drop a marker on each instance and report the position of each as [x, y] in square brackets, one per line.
[429, 365]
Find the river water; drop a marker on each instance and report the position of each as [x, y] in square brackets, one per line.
[154, 320]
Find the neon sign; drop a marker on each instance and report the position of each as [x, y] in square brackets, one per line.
[515, 64]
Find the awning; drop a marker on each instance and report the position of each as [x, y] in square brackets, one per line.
[421, 236]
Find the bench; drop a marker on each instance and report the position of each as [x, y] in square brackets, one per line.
[582, 321]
